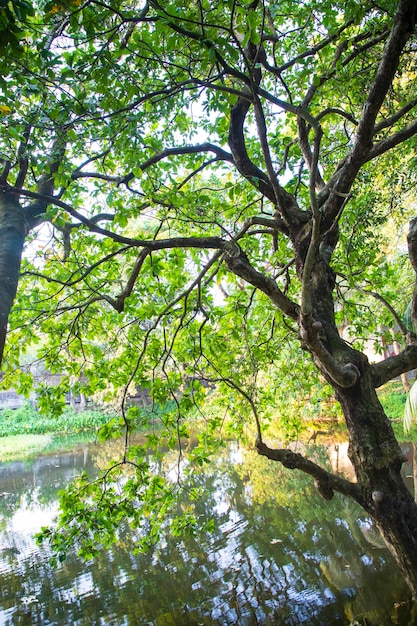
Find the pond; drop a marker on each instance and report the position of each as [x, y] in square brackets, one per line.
[279, 555]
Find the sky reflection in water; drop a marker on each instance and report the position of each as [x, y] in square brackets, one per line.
[279, 555]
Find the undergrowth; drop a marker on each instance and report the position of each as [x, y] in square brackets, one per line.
[26, 420]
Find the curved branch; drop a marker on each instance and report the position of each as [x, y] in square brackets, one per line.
[73, 281]
[216, 243]
[221, 155]
[389, 121]
[404, 22]
[238, 263]
[283, 200]
[306, 303]
[332, 196]
[34, 212]
[311, 51]
[325, 482]
[397, 318]
[307, 152]
[336, 111]
[394, 140]
[23, 157]
[236, 140]
[345, 375]
[121, 298]
[384, 371]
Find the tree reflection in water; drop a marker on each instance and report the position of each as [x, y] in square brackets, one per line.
[278, 555]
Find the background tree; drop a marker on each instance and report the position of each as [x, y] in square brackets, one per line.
[153, 151]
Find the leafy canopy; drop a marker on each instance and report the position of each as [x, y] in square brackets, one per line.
[170, 132]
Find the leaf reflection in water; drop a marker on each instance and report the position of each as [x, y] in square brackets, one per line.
[277, 555]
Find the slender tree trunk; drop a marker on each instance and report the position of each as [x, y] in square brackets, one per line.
[12, 237]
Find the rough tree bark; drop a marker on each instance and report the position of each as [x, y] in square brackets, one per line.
[373, 449]
[16, 221]
[13, 231]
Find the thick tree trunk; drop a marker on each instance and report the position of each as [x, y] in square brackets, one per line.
[377, 459]
[12, 237]
[373, 449]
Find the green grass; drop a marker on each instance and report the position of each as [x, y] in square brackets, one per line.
[393, 397]
[19, 447]
[27, 420]
[25, 433]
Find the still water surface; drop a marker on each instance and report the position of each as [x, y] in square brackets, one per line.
[279, 555]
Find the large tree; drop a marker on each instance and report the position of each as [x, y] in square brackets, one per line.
[195, 183]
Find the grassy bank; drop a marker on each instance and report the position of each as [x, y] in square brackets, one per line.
[18, 447]
[27, 420]
[393, 397]
[24, 432]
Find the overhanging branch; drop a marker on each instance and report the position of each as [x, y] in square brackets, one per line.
[384, 371]
[238, 263]
[216, 243]
[326, 483]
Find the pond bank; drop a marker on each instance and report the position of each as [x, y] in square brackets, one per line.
[276, 555]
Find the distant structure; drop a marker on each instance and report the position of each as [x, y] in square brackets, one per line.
[10, 399]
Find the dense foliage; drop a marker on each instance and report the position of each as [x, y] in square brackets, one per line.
[205, 193]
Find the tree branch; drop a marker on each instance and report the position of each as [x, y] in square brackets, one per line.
[394, 140]
[345, 375]
[23, 157]
[404, 22]
[216, 243]
[412, 254]
[336, 111]
[246, 167]
[397, 318]
[307, 153]
[238, 263]
[384, 371]
[204, 147]
[311, 51]
[306, 303]
[221, 155]
[394, 366]
[283, 200]
[389, 121]
[45, 186]
[332, 196]
[121, 298]
[326, 483]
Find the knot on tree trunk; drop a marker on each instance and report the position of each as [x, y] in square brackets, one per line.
[345, 375]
